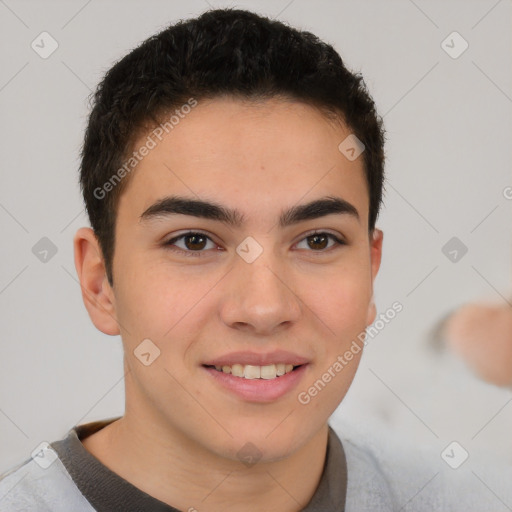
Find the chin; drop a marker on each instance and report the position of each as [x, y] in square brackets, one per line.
[272, 440]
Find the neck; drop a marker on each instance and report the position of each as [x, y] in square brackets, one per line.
[169, 466]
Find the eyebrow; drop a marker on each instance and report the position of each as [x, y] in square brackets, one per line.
[179, 205]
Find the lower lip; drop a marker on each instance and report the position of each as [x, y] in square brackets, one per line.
[259, 390]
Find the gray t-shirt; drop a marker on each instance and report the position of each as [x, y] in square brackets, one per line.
[66, 477]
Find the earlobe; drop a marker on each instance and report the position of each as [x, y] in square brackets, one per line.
[376, 239]
[97, 293]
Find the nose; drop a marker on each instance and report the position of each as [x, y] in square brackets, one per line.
[259, 297]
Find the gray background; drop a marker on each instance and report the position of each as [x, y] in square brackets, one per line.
[449, 129]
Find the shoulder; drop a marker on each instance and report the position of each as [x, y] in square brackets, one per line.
[385, 473]
[368, 487]
[32, 487]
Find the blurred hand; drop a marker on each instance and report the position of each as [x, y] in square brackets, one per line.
[482, 336]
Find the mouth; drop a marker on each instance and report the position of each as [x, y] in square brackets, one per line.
[258, 377]
[251, 372]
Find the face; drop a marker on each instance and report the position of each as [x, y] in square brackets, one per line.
[255, 287]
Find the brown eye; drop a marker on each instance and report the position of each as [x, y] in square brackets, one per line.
[319, 242]
[195, 241]
[190, 244]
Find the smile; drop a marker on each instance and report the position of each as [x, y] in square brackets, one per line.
[258, 384]
[248, 371]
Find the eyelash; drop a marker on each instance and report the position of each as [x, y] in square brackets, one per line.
[169, 244]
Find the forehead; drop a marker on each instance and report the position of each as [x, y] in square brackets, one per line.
[249, 156]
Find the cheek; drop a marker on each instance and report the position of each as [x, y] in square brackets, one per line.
[340, 299]
[161, 304]
[157, 301]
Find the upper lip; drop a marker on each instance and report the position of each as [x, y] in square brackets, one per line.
[257, 359]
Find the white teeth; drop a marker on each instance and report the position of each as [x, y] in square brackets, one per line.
[269, 372]
[237, 370]
[249, 371]
[252, 372]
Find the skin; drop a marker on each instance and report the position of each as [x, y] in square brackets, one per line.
[181, 431]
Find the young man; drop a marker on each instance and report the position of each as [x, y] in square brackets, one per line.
[232, 170]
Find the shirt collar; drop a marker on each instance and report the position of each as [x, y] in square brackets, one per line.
[107, 491]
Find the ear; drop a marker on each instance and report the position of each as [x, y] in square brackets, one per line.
[376, 238]
[97, 294]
